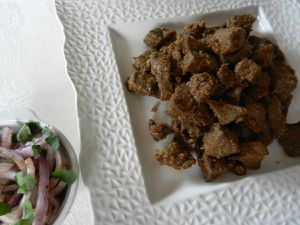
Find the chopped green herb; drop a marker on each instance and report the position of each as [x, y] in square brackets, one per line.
[25, 182]
[66, 176]
[34, 126]
[24, 134]
[18, 222]
[37, 149]
[51, 138]
[28, 215]
[4, 208]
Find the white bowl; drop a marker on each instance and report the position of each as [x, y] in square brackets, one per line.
[13, 118]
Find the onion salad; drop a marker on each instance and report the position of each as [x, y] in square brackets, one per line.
[34, 175]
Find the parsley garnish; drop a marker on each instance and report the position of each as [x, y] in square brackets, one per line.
[24, 134]
[34, 126]
[25, 182]
[4, 208]
[37, 149]
[51, 138]
[66, 176]
[28, 215]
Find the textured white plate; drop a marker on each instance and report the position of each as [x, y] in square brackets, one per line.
[127, 40]
[33, 75]
[109, 161]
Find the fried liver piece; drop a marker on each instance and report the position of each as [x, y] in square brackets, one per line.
[251, 154]
[161, 69]
[140, 62]
[227, 77]
[237, 56]
[264, 55]
[237, 168]
[261, 87]
[258, 41]
[228, 40]
[244, 20]
[174, 54]
[195, 29]
[285, 104]
[219, 142]
[248, 70]
[241, 130]
[143, 84]
[159, 131]
[227, 113]
[290, 140]
[176, 155]
[183, 107]
[197, 62]
[188, 131]
[159, 37]
[264, 51]
[211, 168]
[256, 116]
[284, 80]
[233, 95]
[189, 43]
[264, 137]
[276, 116]
[202, 86]
[279, 56]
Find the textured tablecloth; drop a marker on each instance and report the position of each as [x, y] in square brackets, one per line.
[109, 160]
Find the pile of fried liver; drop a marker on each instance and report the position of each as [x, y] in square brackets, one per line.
[228, 94]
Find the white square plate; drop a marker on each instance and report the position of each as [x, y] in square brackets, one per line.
[164, 183]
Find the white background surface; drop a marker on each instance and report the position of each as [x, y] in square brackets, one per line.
[33, 75]
[109, 156]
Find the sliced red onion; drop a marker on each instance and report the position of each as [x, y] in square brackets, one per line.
[58, 188]
[58, 166]
[14, 199]
[58, 161]
[54, 203]
[43, 190]
[12, 155]
[17, 212]
[8, 219]
[33, 198]
[50, 156]
[8, 175]
[6, 137]
[31, 171]
[9, 188]
[5, 166]
[30, 167]
[26, 150]
[52, 183]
